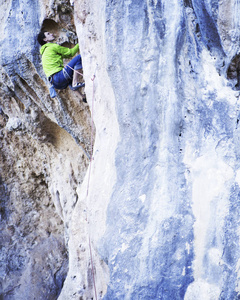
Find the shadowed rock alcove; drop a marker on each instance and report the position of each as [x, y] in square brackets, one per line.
[233, 71]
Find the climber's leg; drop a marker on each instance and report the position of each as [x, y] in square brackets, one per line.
[59, 81]
[68, 77]
[76, 64]
[76, 78]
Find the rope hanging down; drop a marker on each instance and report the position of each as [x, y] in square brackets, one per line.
[91, 159]
[89, 174]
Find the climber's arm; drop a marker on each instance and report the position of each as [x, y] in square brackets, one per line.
[67, 52]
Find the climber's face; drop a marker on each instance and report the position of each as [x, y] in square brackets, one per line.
[49, 37]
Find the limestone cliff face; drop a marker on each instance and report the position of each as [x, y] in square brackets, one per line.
[155, 213]
[45, 145]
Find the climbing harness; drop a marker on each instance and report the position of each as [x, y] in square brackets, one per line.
[66, 75]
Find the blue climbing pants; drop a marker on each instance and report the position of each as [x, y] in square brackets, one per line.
[63, 78]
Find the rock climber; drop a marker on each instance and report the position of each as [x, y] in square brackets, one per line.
[59, 76]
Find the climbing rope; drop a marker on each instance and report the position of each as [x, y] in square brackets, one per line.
[89, 175]
[91, 145]
[74, 70]
[91, 159]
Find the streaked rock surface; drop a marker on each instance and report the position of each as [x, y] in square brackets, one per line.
[156, 213]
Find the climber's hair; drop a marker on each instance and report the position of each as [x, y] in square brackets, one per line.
[41, 37]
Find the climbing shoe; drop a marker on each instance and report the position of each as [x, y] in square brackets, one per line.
[77, 86]
[84, 99]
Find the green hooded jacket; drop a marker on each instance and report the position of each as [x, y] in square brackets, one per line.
[52, 57]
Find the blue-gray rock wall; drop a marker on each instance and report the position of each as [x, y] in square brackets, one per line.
[171, 219]
[156, 216]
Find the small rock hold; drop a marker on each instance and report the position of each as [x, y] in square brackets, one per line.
[14, 124]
